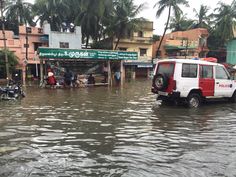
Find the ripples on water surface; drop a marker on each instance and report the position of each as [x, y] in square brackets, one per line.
[114, 132]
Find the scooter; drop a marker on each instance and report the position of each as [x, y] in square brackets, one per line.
[12, 91]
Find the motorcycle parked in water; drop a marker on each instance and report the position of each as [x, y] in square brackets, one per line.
[12, 91]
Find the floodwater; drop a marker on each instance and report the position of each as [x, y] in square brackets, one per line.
[114, 132]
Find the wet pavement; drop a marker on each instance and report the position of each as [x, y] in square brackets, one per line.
[114, 132]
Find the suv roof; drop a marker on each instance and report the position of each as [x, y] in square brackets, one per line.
[190, 61]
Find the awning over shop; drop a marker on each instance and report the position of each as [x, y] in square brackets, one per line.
[54, 53]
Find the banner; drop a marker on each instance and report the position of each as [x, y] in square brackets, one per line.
[53, 53]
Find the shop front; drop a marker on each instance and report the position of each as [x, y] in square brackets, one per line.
[102, 64]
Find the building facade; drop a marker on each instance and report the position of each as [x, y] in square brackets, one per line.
[141, 42]
[26, 44]
[231, 52]
[183, 44]
[63, 39]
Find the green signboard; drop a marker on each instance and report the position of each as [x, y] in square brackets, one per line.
[52, 53]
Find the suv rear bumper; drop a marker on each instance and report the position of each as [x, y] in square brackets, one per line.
[169, 96]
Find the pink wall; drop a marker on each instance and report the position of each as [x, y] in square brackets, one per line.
[16, 43]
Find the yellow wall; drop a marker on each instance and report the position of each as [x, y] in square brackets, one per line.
[135, 43]
[145, 34]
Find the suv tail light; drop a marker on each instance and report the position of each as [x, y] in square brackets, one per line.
[171, 85]
[174, 84]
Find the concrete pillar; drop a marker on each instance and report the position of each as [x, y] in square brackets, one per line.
[109, 72]
[148, 72]
[133, 74]
[122, 73]
[41, 73]
[24, 75]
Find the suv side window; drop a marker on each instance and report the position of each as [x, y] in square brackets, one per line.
[206, 71]
[221, 73]
[189, 70]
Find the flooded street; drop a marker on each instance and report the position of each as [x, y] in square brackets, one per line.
[114, 132]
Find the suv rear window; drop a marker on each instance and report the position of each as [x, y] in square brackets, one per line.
[189, 70]
[166, 68]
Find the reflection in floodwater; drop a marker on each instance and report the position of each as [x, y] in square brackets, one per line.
[114, 132]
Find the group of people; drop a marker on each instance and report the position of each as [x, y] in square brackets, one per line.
[69, 80]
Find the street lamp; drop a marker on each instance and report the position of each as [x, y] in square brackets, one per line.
[4, 40]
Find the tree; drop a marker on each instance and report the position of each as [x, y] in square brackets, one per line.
[18, 12]
[203, 19]
[52, 11]
[180, 23]
[225, 21]
[170, 5]
[12, 62]
[92, 17]
[124, 19]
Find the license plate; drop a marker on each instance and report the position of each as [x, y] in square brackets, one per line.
[162, 93]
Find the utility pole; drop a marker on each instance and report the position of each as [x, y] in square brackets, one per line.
[186, 48]
[26, 45]
[4, 41]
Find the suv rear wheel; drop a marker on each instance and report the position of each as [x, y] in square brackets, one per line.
[194, 100]
[160, 82]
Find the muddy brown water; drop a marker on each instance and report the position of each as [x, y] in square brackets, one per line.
[114, 132]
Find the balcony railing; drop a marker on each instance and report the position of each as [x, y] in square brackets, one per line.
[134, 39]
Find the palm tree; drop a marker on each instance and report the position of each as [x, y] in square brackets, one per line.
[92, 16]
[203, 19]
[52, 11]
[170, 5]
[18, 12]
[225, 21]
[180, 23]
[88, 18]
[124, 19]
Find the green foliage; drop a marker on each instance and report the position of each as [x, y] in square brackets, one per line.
[54, 12]
[203, 19]
[100, 19]
[225, 22]
[155, 38]
[222, 28]
[18, 12]
[12, 61]
[123, 19]
[171, 5]
[180, 23]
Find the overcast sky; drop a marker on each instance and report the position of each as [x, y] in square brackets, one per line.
[150, 13]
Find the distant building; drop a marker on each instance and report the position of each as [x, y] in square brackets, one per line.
[63, 39]
[34, 37]
[138, 41]
[180, 44]
[231, 50]
[24, 48]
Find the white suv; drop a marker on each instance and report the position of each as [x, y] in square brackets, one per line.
[192, 81]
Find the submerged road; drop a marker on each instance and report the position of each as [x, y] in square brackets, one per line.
[114, 132]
